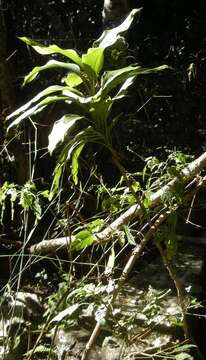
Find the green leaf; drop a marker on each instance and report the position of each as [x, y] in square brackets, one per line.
[83, 101]
[75, 163]
[83, 239]
[183, 356]
[73, 80]
[51, 89]
[111, 79]
[129, 236]
[89, 77]
[100, 110]
[123, 90]
[55, 184]
[95, 225]
[183, 348]
[65, 313]
[51, 64]
[87, 135]
[60, 129]
[147, 199]
[36, 109]
[110, 37]
[79, 140]
[94, 58]
[52, 49]
[39, 350]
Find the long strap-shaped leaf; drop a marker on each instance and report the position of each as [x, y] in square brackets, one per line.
[36, 109]
[51, 64]
[50, 90]
[52, 49]
[111, 79]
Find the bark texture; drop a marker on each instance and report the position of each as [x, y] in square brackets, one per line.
[191, 170]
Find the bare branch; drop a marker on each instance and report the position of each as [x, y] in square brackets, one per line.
[51, 246]
[138, 250]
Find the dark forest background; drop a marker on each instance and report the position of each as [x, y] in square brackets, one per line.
[171, 32]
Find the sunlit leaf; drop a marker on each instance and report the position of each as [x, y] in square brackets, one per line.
[52, 49]
[73, 80]
[113, 78]
[60, 130]
[75, 97]
[100, 111]
[184, 356]
[110, 37]
[83, 239]
[129, 236]
[89, 77]
[95, 225]
[147, 199]
[51, 64]
[65, 313]
[75, 162]
[87, 135]
[56, 180]
[94, 58]
[36, 109]
[123, 90]
[51, 89]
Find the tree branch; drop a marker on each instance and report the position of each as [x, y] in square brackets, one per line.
[192, 169]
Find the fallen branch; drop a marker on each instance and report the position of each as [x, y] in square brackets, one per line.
[136, 253]
[191, 170]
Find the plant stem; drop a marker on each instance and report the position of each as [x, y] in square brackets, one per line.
[124, 174]
[178, 286]
[127, 269]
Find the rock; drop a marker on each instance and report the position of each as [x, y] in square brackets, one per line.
[146, 314]
[18, 311]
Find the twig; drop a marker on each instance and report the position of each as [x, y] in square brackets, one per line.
[51, 246]
[128, 267]
[46, 325]
[178, 286]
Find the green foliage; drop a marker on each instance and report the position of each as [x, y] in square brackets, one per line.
[179, 352]
[111, 37]
[41, 351]
[83, 239]
[129, 237]
[83, 301]
[116, 198]
[7, 190]
[166, 234]
[26, 196]
[153, 303]
[90, 90]
[85, 236]
[158, 173]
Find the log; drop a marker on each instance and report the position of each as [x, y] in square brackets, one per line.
[187, 174]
